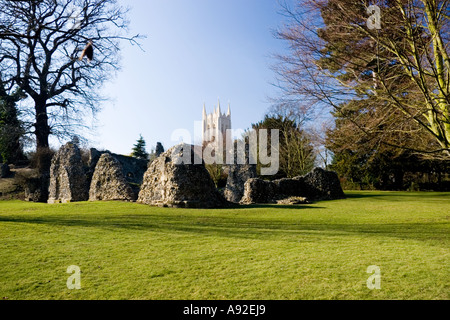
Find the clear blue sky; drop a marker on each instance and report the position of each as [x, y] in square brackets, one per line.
[196, 51]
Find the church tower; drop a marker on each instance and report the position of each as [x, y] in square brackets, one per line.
[215, 124]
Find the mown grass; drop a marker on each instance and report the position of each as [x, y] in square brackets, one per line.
[317, 251]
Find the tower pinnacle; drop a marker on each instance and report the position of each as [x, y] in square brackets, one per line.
[216, 124]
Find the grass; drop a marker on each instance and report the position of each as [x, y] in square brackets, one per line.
[317, 251]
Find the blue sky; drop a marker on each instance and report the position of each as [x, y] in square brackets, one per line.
[196, 51]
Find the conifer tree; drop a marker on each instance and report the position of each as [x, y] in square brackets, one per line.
[11, 128]
[138, 150]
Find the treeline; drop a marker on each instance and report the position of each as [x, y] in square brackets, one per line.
[388, 87]
[361, 163]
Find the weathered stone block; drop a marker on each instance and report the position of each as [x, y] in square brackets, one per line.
[170, 182]
[67, 176]
[316, 185]
[291, 187]
[108, 181]
[259, 191]
[323, 185]
[238, 174]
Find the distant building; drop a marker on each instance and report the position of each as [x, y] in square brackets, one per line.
[215, 124]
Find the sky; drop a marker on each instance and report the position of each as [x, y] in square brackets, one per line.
[196, 52]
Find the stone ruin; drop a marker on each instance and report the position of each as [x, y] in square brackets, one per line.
[106, 176]
[171, 182]
[108, 181]
[319, 184]
[238, 174]
[133, 169]
[323, 185]
[244, 187]
[293, 200]
[68, 181]
[36, 188]
[259, 191]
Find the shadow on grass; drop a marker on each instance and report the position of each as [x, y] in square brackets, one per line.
[242, 227]
[388, 195]
[360, 195]
[278, 206]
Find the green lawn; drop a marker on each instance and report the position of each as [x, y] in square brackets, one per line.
[317, 251]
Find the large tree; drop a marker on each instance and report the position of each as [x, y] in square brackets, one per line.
[297, 154]
[41, 43]
[365, 161]
[400, 72]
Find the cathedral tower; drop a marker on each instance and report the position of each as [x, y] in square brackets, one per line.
[215, 124]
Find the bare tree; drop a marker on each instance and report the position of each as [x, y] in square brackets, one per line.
[402, 69]
[297, 154]
[40, 46]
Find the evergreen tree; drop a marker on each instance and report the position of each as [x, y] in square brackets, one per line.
[138, 150]
[11, 128]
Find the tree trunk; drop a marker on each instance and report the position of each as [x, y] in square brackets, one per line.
[42, 132]
[398, 184]
[43, 152]
[42, 129]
